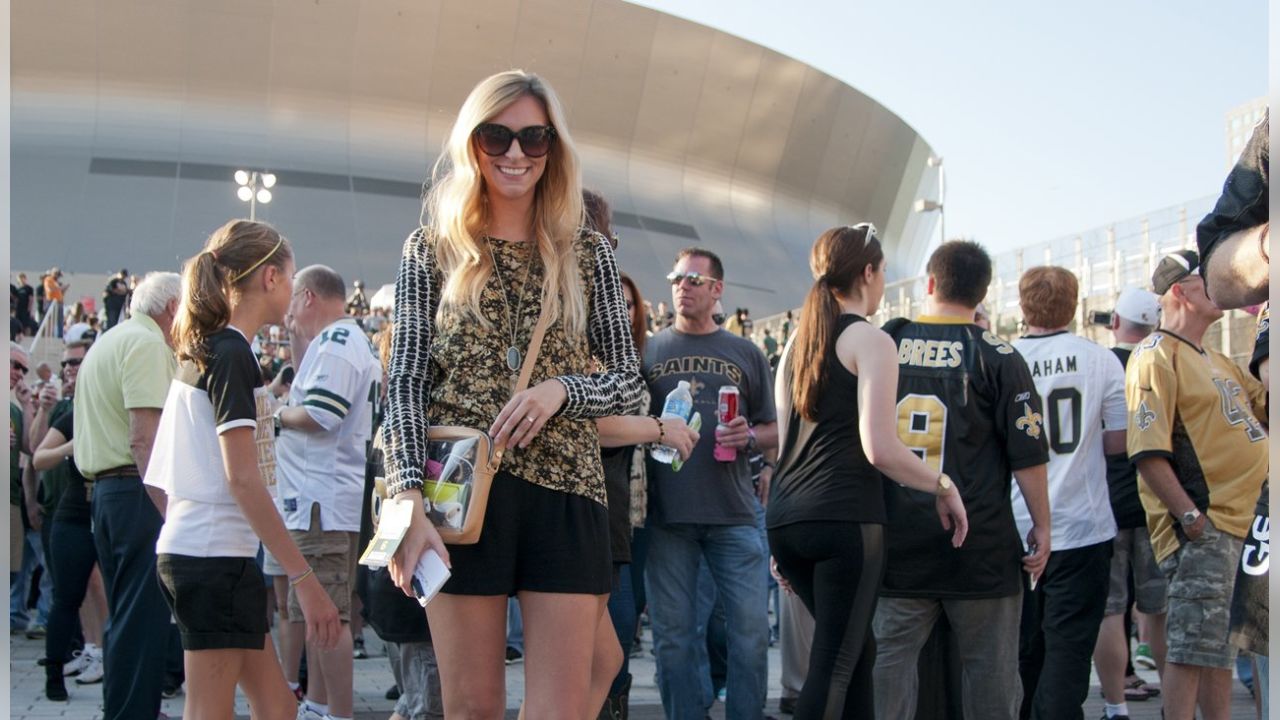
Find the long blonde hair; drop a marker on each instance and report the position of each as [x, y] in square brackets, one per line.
[233, 254]
[456, 207]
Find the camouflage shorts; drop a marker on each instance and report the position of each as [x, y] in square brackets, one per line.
[1201, 575]
[1132, 555]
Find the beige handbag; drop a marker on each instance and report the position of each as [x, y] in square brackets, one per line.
[461, 463]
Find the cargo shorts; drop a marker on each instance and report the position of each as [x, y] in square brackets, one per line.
[1202, 576]
[332, 555]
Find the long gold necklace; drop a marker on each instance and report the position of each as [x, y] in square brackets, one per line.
[514, 357]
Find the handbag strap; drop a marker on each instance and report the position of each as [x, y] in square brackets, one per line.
[526, 370]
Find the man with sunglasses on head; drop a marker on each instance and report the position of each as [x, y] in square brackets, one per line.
[708, 509]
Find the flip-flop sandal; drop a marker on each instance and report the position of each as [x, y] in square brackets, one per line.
[1137, 689]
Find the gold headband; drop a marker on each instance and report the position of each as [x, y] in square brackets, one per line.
[254, 266]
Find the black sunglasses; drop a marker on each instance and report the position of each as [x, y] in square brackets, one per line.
[72, 362]
[495, 139]
[695, 279]
[19, 366]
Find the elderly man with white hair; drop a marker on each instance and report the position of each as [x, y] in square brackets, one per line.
[121, 390]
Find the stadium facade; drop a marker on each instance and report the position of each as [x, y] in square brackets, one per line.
[129, 118]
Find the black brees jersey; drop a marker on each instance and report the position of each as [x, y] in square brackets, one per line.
[966, 405]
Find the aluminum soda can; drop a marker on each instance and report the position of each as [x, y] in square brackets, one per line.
[726, 411]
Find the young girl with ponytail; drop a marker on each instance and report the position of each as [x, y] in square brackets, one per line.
[826, 513]
[214, 439]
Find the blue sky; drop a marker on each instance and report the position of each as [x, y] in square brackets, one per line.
[1052, 118]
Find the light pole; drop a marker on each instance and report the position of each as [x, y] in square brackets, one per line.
[931, 205]
[255, 187]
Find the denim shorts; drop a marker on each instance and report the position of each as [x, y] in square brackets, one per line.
[219, 602]
[1202, 575]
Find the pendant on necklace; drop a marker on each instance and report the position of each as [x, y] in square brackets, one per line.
[513, 358]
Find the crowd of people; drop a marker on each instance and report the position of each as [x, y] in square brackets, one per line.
[960, 525]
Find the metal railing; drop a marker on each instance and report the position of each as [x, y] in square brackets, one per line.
[1105, 260]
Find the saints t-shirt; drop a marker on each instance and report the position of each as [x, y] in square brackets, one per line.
[202, 518]
[967, 406]
[706, 490]
[1195, 408]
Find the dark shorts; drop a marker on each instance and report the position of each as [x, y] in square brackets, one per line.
[535, 539]
[219, 602]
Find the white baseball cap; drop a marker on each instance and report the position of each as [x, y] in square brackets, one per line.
[1140, 306]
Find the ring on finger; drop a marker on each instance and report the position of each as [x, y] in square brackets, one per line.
[529, 419]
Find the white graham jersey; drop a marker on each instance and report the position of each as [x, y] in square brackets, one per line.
[1081, 387]
[339, 384]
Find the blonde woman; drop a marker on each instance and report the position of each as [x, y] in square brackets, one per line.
[503, 242]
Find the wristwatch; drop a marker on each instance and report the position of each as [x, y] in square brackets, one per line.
[751, 438]
[1189, 517]
[275, 419]
[945, 486]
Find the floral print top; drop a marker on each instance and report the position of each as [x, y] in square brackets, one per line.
[453, 371]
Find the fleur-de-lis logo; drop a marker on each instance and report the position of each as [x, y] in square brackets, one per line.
[1144, 417]
[1030, 421]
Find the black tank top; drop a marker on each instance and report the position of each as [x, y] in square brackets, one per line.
[825, 475]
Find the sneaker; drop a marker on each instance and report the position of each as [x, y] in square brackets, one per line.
[306, 713]
[79, 660]
[91, 674]
[35, 631]
[514, 655]
[357, 648]
[1143, 657]
[393, 692]
[787, 705]
[1114, 717]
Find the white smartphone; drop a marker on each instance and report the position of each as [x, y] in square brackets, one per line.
[429, 576]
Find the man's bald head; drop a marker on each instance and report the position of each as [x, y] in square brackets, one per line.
[323, 281]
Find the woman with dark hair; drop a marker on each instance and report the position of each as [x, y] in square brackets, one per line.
[622, 441]
[826, 510]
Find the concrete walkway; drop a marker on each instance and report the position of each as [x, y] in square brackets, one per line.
[373, 677]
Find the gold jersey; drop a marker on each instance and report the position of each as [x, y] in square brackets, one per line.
[1196, 408]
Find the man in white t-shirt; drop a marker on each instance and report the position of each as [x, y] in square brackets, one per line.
[1081, 388]
[324, 434]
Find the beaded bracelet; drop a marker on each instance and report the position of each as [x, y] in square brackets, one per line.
[293, 581]
[662, 433]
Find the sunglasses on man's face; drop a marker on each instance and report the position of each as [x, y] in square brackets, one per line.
[695, 279]
[71, 362]
[19, 366]
[495, 139]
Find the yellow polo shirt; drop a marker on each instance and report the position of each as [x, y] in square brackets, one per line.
[129, 367]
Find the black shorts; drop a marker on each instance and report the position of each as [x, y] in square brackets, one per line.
[535, 539]
[219, 602]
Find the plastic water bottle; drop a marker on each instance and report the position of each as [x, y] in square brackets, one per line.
[679, 404]
[695, 424]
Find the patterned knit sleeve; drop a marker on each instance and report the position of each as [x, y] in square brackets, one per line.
[615, 390]
[408, 376]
